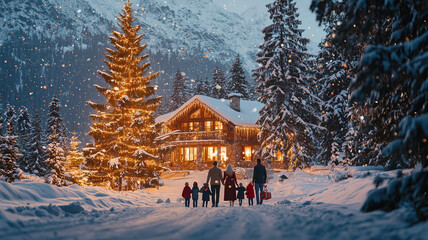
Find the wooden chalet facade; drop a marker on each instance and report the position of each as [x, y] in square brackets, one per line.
[206, 129]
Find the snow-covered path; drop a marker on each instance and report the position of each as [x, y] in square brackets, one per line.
[316, 211]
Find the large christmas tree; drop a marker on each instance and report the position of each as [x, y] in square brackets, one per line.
[123, 128]
[287, 119]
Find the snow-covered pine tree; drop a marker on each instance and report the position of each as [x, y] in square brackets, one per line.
[209, 87]
[23, 129]
[36, 150]
[124, 129]
[333, 81]
[9, 155]
[180, 91]
[219, 82]
[202, 87]
[287, 119]
[74, 161]
[10, 120]
[55, 134]
[391, 77]
[237, 82]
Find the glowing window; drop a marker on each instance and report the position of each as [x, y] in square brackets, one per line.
[218, 125]
[189, 153]
[223, 154]
[208, 126]
[247, 153]
[211, 153]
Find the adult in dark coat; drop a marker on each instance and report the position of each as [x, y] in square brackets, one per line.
[230, 184]
[214, 174]
[259, 179]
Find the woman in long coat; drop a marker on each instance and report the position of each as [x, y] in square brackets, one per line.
[230, 184]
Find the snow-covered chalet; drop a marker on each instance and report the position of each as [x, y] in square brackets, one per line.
[206, 129]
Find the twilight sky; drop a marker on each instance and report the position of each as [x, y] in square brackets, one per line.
[314, 32]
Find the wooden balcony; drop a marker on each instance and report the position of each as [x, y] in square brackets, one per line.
[178, 138]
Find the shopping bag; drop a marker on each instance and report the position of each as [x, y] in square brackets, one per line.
[265, 194]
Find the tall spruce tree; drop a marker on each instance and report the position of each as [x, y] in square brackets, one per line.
[10, 120]
[9, 156]
[333, 81]
[124, 128]
[237, 82]
[9, 148]
[36, 149]
[287, 120]
[55, 138]
[391, 76]
[23, 129]
[180, 91]
[220, 85]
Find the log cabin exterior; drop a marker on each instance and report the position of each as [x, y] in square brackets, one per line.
[206, 129]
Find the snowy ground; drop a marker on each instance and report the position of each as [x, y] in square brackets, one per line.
[309, 205]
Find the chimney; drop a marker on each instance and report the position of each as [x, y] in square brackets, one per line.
[235, 101]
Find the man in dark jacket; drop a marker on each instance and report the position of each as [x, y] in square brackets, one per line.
[259, 178]
[214, 174]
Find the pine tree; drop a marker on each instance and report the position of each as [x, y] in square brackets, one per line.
[74, 162]
[333, 80]
[36, 152]
[9, 155]
[124, 129]
[391, 76]
[209, 91]
[23, 129]
[219, 81]
[180, 92]
[55, 145]
[10, 121]
[237, 82]
[287, 120]
[202, 87]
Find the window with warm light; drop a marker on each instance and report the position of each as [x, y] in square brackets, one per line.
[193, 126]
[247, 153]
[278, 156]
[210, 153]
[189, 153]
[208, 126]
[223, 154]
[218, 125]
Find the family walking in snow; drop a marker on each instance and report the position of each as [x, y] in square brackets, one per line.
[232, 190]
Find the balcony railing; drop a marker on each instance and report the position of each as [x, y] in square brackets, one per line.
[178, 136]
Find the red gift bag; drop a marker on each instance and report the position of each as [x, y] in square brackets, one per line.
[265, 195]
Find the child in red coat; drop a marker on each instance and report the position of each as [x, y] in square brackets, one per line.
[186, 194]
[250, 193]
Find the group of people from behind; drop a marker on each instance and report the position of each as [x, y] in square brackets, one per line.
[232, 190]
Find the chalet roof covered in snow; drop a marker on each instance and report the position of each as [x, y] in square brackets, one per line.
[246, 117]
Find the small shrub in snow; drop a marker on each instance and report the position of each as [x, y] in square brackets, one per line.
[410, 191]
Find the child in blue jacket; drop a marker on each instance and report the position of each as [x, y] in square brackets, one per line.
[206, 192]
[195, 192]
